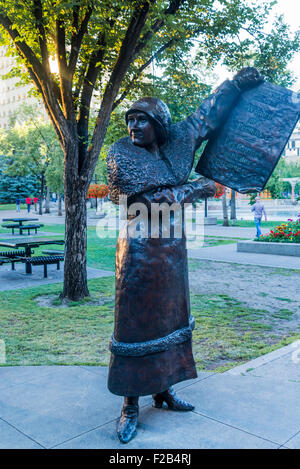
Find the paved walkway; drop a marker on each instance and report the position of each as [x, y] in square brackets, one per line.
[47, 218]
[13, 280]
[252, 406]
[53, 218]
[232, 231]
[228, 253]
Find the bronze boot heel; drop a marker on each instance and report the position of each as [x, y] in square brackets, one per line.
[158, 401]
[172, 401]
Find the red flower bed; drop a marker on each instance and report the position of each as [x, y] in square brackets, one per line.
[220, 189]
[288, 232]
[97, 191]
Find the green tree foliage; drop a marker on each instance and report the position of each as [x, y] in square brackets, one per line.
[276, 185]
[34, 155]
[270, 53]
[287, 170]
[31, 147]
[13, 187]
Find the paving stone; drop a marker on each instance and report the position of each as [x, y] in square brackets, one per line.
[286, 368]
[293, 443]
[14, 375]
[65, 403]
[14, 280]
[172, 430]
[13, 439]
[261, 406]
[61, 404]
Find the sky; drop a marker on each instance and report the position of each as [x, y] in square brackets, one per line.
[291, 11]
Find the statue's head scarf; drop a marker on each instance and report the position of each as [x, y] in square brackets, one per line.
[159, 114]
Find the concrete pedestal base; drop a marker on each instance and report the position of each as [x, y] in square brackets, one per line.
[279, 249]
[210, 220]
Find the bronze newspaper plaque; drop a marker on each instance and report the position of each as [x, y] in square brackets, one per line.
[245, 151]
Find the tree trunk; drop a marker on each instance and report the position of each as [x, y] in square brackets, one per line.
[41, 195]
[233, 207]
[75, 275]
[101, 206]
[75, 192]
[224, 206]
[47, 201]
[59, 206]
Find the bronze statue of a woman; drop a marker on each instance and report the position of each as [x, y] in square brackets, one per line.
[151, 347]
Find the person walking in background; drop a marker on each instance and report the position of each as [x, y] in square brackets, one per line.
[35, 201]
[258, 209]
[28, 202]
[18, 202]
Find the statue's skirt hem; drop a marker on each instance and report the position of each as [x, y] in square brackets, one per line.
[153, 373]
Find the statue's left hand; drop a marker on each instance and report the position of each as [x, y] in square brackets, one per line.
[206, 187]
[247, 78]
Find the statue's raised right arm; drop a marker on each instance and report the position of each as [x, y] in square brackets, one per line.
[133, 169]
[213, 111]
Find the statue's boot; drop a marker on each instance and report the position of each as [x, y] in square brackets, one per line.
[128, 420]
[173, 402]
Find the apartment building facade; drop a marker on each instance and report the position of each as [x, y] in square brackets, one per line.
[12, 96]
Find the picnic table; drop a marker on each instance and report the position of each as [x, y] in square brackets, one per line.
[26, 255]
[19, 220]
[18, 223]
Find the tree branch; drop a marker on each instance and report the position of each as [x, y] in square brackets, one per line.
[140, 71]
[86, 95]
[64, 75]
[56, 126]
[38, 14]
[87, 91]
[174, 5]
[44, 83]
[77, 38]
[124, 60]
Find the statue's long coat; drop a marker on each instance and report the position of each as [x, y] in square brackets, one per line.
[151, 345]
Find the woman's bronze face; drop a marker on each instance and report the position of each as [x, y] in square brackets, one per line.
[141, 130]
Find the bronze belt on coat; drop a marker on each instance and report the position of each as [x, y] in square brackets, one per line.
[139, 349]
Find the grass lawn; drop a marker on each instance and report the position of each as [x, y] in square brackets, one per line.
[219, 241]
[227, 333]
[37, 335]
[12, 207]
[41, 332]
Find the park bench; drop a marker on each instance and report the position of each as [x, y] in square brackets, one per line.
[12, 227]
[4, 260]
[11, 257]
[42, 260]
[21, 228]
[53, 251]
[29, 228]
[11, 254]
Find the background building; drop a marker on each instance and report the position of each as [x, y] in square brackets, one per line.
[292, 150]
[12, 96]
